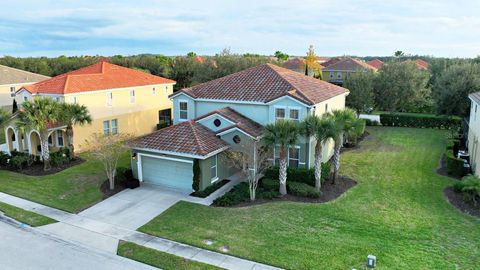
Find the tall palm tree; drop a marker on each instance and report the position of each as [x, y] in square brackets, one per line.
[38, 114]
[343, 120]
[284, 133]
[73, 114]
[321, 129]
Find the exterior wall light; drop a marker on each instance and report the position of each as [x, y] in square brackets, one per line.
[134, 156]
[371, 261]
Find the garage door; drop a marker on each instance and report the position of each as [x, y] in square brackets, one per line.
[169, 173]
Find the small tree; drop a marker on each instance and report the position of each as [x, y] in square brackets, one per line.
[107, 150]
[311, 62]
[343, 121]
[196, 175]
[14, 106]
[361, 86]
[251, 159]
[281, 56]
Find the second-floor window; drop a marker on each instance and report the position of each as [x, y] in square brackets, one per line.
[183, 106]
[331, 74]
[132, 96]
[154, 91]
[279, 113]
[326, 107]
[294, 114]
[339, 75]
[12, 91]
[109, 99]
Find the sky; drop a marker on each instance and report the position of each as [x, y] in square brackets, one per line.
[335, 27]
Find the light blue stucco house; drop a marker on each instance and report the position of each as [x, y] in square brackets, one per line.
[216, 116]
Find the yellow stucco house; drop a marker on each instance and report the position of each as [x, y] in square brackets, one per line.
[337, 70]
[119, 100]
[11, 79]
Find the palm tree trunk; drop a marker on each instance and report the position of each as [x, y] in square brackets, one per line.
[318, 166]
[45, 150]
[71, 148]
[283, 172]
[336, 158]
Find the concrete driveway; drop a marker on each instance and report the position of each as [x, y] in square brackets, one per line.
[132, 208]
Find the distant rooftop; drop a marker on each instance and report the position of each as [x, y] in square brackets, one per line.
[9, 75]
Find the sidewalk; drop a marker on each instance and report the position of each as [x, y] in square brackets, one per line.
[105, 237]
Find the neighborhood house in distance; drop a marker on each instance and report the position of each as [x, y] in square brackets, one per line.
[119, 99]
[11, 79]
[212, 117]
[336, 72]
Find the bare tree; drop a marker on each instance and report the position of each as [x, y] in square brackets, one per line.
[251, 158]
[107, 150]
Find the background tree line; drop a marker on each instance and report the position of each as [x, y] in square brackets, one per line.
[402, 87]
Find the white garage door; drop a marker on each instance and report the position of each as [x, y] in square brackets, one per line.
[169, 173]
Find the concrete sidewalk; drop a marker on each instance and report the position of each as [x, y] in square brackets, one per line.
[103, 236]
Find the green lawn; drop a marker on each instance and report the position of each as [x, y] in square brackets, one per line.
[27, 217]
[396, 212]
[159, 259]
[71, 190]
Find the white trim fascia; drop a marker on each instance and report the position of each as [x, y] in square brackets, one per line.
[288, 97]
[21, 83]
[163, 157]
[174, 95]
[181, 154]
[232, 128]
[215, 115]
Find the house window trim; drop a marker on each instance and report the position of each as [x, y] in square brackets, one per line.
[180, 110]
[288, 155]
[60, 135]
[107, 133]
[116, 126]
[214, 179]
[339, 75]
[109, 99]
[154, 91]
[294, 109]
[299, 163]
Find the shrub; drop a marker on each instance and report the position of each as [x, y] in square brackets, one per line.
[59, 158]
[369, 122]
[196, 175]
[454, 166]
[210, 189]
[301, 175]
[470, 187]
[270, 184]
[420, 120]
[268, 195]
[21, 160]
[240, 193]
[4, 157]
[302, 190]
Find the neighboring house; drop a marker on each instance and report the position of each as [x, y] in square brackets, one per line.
[376, 63]
[119, 99]
[337, 72]
[474, 133]
[423, 65]
[225, 113]
[296, 64]
[11, 79]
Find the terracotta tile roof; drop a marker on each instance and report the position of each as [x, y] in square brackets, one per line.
[349, 64]
[419, 63]
[9, 75]
[242, 122]
[376, 63]
[187, 137]
[99, 76]
[296, 63]
[265, 83]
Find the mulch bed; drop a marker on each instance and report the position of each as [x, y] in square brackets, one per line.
[443, 172]
[348, 147]
[329, 193]
[456, 199]
[107, 192]
[37, 168]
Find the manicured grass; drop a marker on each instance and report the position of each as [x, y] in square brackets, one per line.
[24, 216]
[396, 212]
[159, 259]
[71, 190]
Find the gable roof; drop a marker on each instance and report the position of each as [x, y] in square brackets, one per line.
[9, 75]
[349, 64]
[296, 63]
[265, 83]
[242, 122]
[99, 76]
[376, 63]
[419, 63]
[188, 137]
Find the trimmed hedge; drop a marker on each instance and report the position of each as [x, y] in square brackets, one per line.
[420, 121]
[302, 175]
[302, 190]
[470, 187]
[210, 189]
[454, 166]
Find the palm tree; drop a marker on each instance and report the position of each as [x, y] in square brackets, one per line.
[73, 114]
[4, 117]
[321, 129]
[284, 133]
[38, 114]
[343, 120]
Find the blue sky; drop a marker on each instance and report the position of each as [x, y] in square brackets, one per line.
[373, 27]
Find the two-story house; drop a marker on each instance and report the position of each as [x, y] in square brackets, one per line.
[119, 99]
[341, 69]
[218, 115]
[474, 133]
[11, 79]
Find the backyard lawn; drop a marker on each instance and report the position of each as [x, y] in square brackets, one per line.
[71, 190]
[396, 212]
